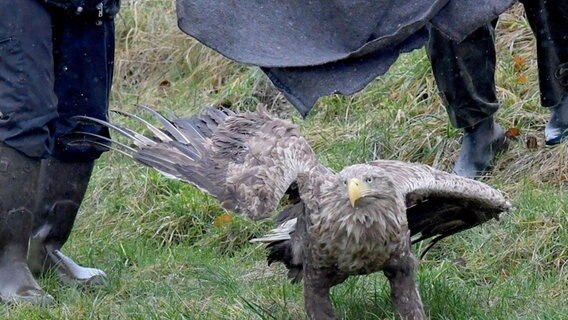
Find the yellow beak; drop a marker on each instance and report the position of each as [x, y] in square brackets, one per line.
[355, 189]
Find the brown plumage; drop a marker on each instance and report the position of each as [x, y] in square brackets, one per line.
[354, 222]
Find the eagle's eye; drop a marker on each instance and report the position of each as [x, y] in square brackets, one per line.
[369, 179]
[345, 182]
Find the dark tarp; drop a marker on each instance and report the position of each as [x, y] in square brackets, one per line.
[310, 49]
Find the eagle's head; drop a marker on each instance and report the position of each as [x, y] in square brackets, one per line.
[362, 221]
[366, 185]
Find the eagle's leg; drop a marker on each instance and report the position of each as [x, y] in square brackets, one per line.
[404, 291]
[317, 284]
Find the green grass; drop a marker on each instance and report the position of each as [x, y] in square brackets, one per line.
[166, 259]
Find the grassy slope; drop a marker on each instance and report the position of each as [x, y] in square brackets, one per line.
[166, 260]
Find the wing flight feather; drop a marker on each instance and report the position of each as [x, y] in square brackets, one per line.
[440, 204]
[246, 160]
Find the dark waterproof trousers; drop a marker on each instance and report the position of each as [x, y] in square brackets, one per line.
[53, 65]
[464, 71]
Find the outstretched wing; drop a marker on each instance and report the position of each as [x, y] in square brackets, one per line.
[247, 161]
[440, 204]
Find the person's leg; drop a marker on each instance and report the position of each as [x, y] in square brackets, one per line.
[464, 74]
[549, 22]
[84, 54]
[18, 174]
[27, 104]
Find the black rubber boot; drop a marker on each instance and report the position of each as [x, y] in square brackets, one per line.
[479, 146]
[549, 23]
[60, 191]
[557, 128]
[18, 177]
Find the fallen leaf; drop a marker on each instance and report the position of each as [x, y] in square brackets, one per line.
[222, 220]
[521, 79]
[512, 133]
[165, 84]
[518, 62]
[531, 142]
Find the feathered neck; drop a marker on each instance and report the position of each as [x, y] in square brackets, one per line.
[357, 239]
[374, 218]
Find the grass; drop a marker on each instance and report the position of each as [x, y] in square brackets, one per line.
[166, 259]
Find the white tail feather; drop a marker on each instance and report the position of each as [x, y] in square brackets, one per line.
[282, 232]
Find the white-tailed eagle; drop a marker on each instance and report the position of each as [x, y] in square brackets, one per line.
[356, 221]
